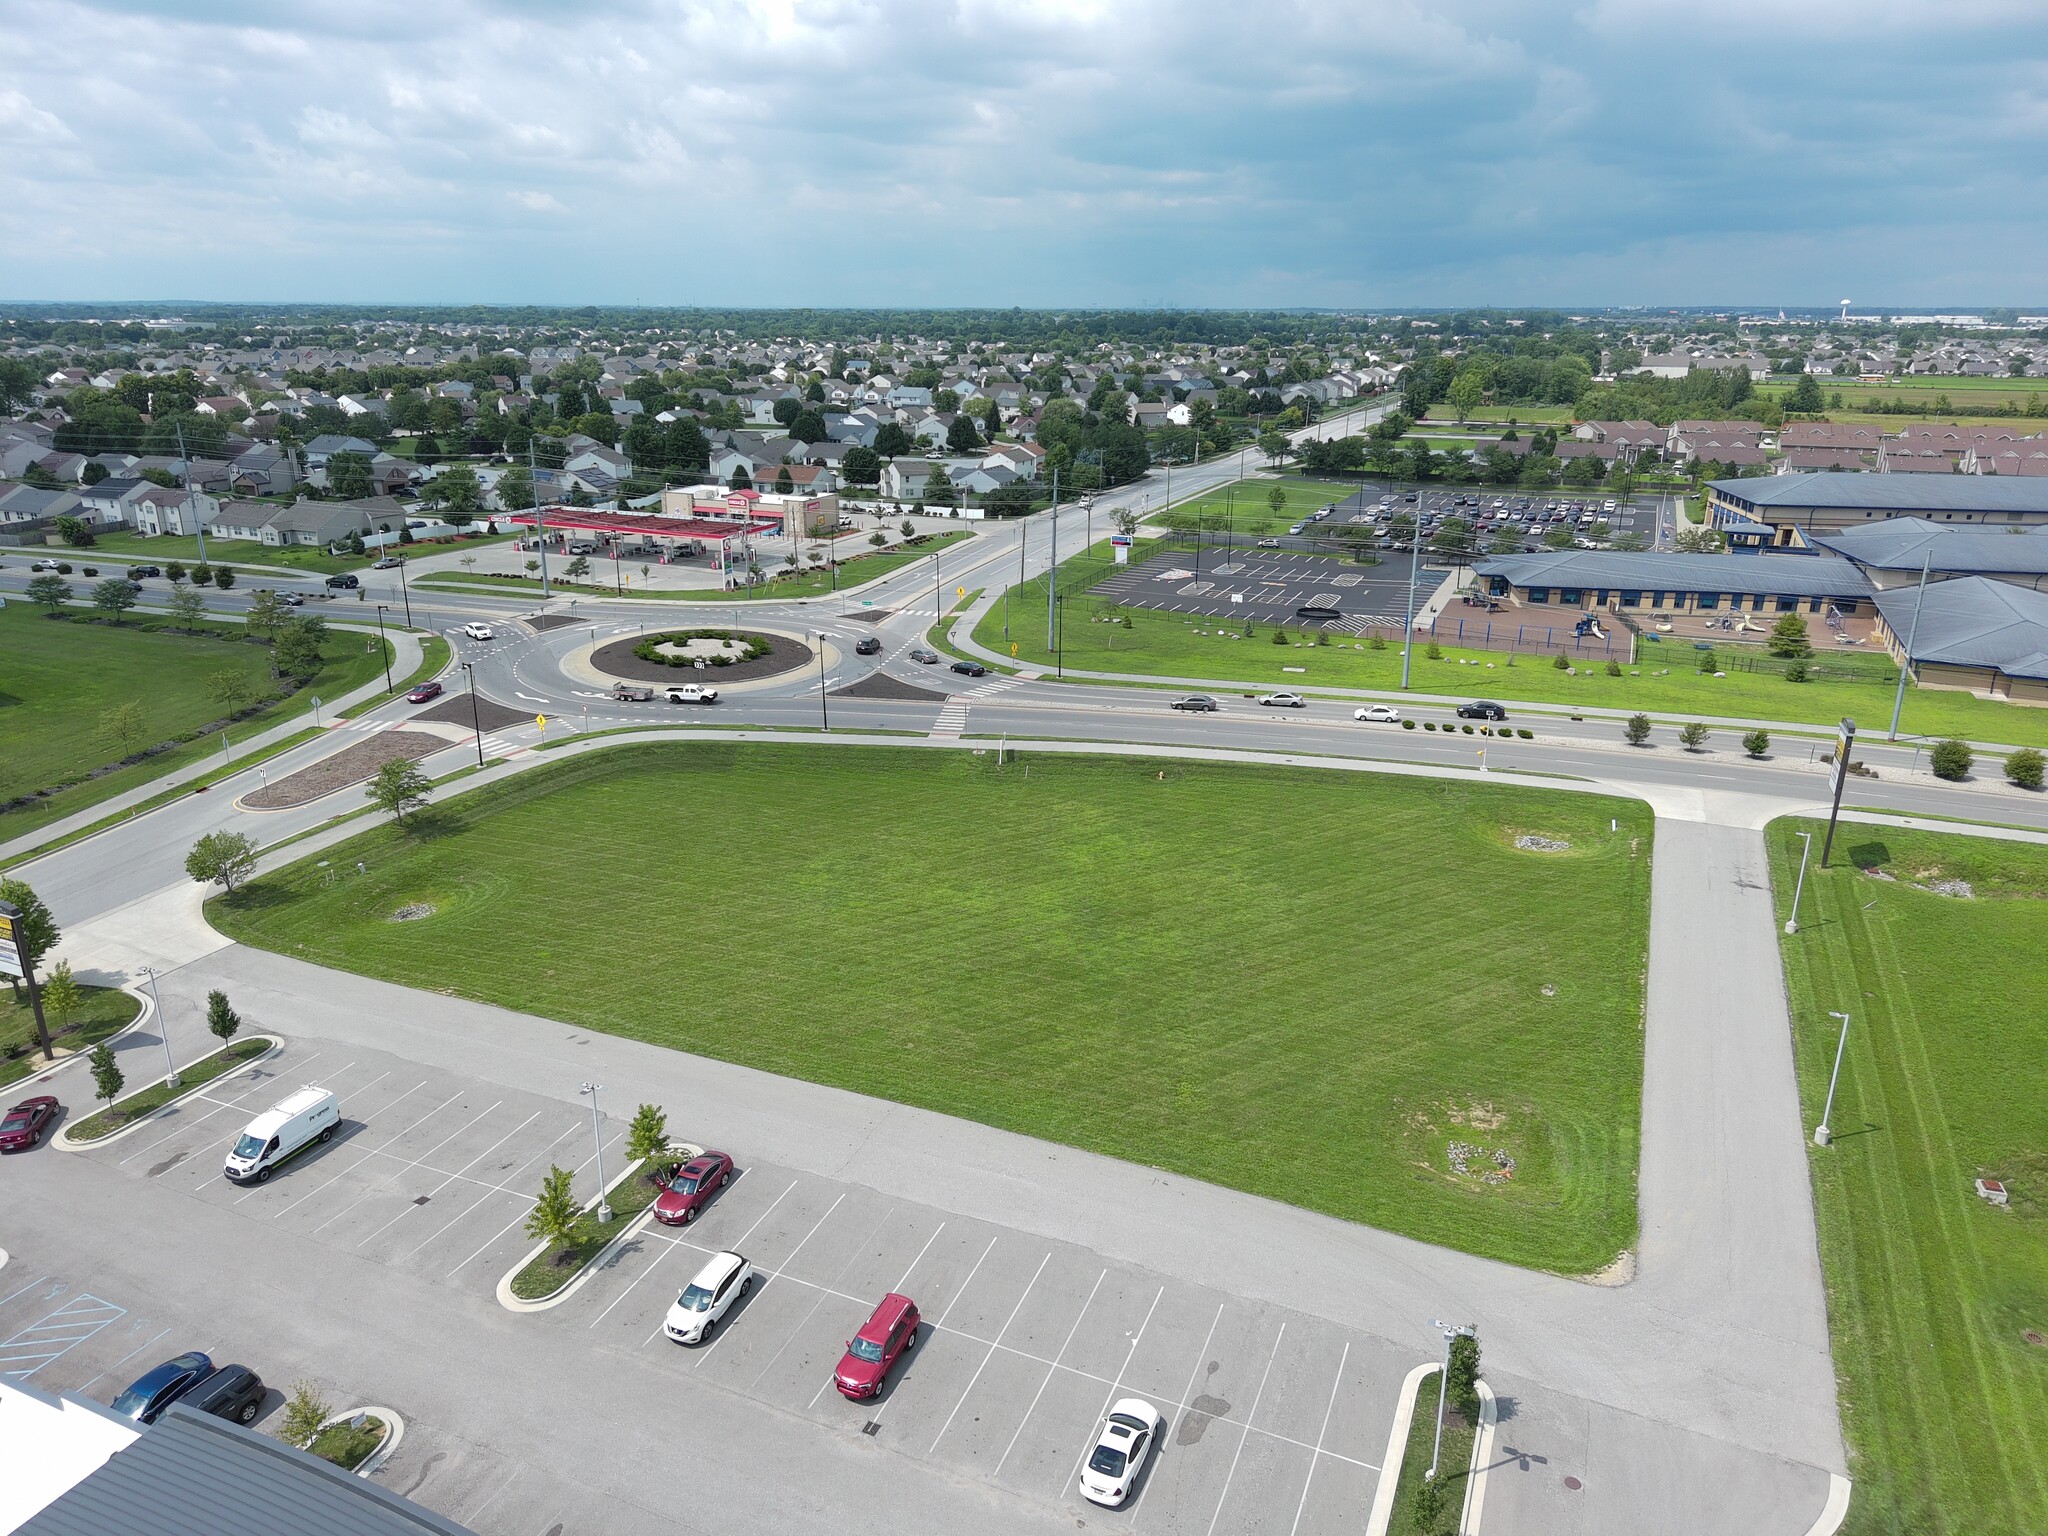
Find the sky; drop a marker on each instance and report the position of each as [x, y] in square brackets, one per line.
[1216, 153]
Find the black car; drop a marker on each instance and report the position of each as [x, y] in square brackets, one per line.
[1201, 703]
[970, 669]
[1481, 709]
[158, 1388]
[867, 645]
[138, 572]
[232, 1392]
[344, 581]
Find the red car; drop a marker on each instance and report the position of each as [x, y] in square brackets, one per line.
[872, 1353]
[424, 692]
[687, 1187]
[26, 1122]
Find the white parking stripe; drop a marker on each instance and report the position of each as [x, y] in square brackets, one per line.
[1320, 1434]
[309, 1194]
[490, 1189]
[1129, 1355]
[927, 1248]
[991, 1353]
[138, 1349]
[256, 1189]
[529, 1201]
[660, 1254]
[11, 1295]
[461, 1173]
[1257, 1397]
[181, 1125]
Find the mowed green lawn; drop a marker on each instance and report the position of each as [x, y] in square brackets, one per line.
[1931, 1292]
[1299, 984]
[1185, 645]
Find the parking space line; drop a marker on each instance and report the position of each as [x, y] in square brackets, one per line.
[138, 1349]
[1257, 1397]
[490, 1189]
[1202, 1354]
[529, 1199]
[65, 1329]
[991, 1248]
[1129, 1355]
[659, 1255]
[415, 1088]
[256, 1189]
[927, 1248]
[823, 1292]
[10, 1296]
[1315, 1460]
[459, 1173]
[339, 1173]
[991, 1350]
[219, 1105]
[1052, 1370]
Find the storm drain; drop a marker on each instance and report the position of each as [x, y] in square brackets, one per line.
[421, 1199]
[872, 1427]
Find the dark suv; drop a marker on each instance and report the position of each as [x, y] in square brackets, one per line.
[232, 1392]
[867, 645]
[344, 582]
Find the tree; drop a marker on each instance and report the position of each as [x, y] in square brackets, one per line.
[1951, 759]
[862, 466]
[222, 858]
[229, 688]
[891, 441]
[305, 1412]
[515, 489]
[992, 420]
[1697, 541]
[1461, 1385]
[457, 492]
[809, 427]
[577, 569]
[116, 595]
[267, 610]
[785, 484]
[1756, 743]
[398, 787]
[1637, 731]
[1125, 521]
[296, 651]
[787, 410]
[2024, 767]
[1692, 736]
[1466, 391]
[33, 922]
[107, 1078]
[53, 592]
[938, 483]
[223, 577]
[961, 436]
[221, 1018]
[1275, 446]
[647, 1137]
[1788, 637]
[122, 727]
[554, 1215]
[1805, 395]
[348, 476]
[75, 531]
[62, 996]
[1277, 500]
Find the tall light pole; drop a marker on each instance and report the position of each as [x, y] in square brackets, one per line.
[383, 647]
[1792, 922]
[824, 711]
[540, 519]
[1821, 1134]
[476, 718]
[1408, 629]
[604, 1206]
[162, 1030]
[1052, 561]
[1912, 637]
[405, 592]
[938, 610]
[1443, 1395]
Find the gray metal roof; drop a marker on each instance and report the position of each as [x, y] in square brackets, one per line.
[1901, 543]
[1892, 493]
[1974, 621]
[194, 1475]
[1778, 575]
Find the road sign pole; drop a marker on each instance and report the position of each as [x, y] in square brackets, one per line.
[14, 961]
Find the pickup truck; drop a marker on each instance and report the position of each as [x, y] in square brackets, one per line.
[632, 693]
[691, 693]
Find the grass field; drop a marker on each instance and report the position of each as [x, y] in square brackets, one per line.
[1931, 1293]
[102, 1011]
[59, 681]
[248, 552]
[1169, 645]
[1245, 504]
[1968, 399]
[1141, 961]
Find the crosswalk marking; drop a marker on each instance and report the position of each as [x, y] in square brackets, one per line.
[952, 720]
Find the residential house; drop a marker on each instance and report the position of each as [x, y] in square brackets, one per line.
[162, 509]
[107, 504]
[319, 524]
[363, 405]
[902, 397]
[242, 519]
[264, 470]
[32, 504]
[586, 453]
[804, 479]
[906, 479]
[325, 446]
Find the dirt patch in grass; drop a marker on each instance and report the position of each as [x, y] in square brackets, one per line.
[351, 765]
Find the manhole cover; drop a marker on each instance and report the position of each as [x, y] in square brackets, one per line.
[1574, 1484]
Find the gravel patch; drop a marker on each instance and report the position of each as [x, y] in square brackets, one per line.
[1477, 1162]
[413, 913]
[1960, 888]
[351, 765]
[1529, 844]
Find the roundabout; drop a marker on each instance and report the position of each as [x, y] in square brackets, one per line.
[716, 656]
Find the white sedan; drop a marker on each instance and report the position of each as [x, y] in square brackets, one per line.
[1383, 713]
[719, 1284]
[1283, 701]
[477, 631]
[1120, 1453]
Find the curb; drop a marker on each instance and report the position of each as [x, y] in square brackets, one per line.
[142, 1016]
[574, 1283]
[1482, 1459]
[1836, 1510]
[1397, 1448]
[63, 1139]
[394, 1432]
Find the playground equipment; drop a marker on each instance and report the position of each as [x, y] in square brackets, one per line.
[1589, 626]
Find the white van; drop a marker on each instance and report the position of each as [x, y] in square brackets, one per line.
[281, 1132]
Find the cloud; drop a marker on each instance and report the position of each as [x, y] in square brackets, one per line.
[1000, 152]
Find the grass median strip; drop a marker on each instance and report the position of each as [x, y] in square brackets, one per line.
[347, 1446]
[1937, 1299]
[1413, 1515]
[557, 1266]
[101, 1011]
[1341, 1041]
[196, 1075]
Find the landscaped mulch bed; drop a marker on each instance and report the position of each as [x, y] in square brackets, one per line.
[880, 685]
[456, 709]
[351, 765]
[784, 655]
[547, 621]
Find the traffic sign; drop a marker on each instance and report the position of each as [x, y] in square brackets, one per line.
[541, 721]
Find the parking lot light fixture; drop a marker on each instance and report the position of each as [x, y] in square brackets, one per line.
[1443, 1394]
[163, 1033]
[1792, 922]
[383, 647]
[1822, 1136]
[475, 713]
[824, 709]
[604, 1206]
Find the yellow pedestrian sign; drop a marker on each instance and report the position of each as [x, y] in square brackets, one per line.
[959, 591]
[542, 722]
[1013, 647]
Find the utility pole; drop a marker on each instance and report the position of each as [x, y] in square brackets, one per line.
[380, 646]
[1912, 636]
[1408, 629]
[1052, 562]
[540, 518]
[604, 1206]
[198, 526]
[163, 1031]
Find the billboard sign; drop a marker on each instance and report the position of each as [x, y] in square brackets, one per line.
[13, 942]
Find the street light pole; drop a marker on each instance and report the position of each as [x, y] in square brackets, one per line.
[162, 1031]
[604, 1206]
[824, 711]
[938, 612]
[1792, 922]
[383, 647]
[1442, 1397]
[1408, 628]
[405, 592]
[1821, 1134]
[1912, 637]
[476, 718]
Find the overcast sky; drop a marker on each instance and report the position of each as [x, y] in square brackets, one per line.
[950, 152]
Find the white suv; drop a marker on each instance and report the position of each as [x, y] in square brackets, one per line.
[706, 1299]
[477, 631]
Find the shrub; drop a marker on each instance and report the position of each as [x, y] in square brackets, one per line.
[1562, 662]
[63, 567]
[1703, 661]
[1468, 730]
[1429, 725]
[1795, 672]
[90, 570]
[1376, 641]
[1951, 759]
[1637, 731]
[1525, 733]
[649, 649]
[304, 1412]
[1433, 651]
[1757, 743]
[1279, 637]
[1692, 736]
[1613, 667]
[2024, 768]
[1407, 725]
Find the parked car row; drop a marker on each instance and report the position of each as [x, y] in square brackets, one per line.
[227, 1391]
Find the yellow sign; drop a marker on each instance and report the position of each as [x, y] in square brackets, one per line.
[959, 591]
[1013, 647]
[541, 721]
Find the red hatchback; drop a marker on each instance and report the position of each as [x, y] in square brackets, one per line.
[24, 1124]
[872, 1353]
[688, 1187]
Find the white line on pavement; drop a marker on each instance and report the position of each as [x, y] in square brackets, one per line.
[522, 1214]
[927, 1248]
[182, 1125]
[1320, 1435]
[309, 1194]
[1257, 1397]
[1052, 1370]
[138, 1349]
[991, 1352]
[1129, 1355]
[460, 1173]
[490, 1189]
[437, 1146]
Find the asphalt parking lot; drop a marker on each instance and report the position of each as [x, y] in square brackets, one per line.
[1274, 1421]
[1267, 586]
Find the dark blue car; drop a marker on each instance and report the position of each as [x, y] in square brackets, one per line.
[156, 1389]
